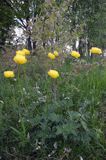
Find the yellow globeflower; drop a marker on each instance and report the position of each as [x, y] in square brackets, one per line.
[19, 59]
[53, 74]
[20, 52]
[9, 74]
[51, 56]
[95, 50]
[56, 53]
[75, 54]
[26, 51]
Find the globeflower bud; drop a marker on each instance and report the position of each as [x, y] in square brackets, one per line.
[20, 52]
[51, 56]
[26, 51]
[19, 59]
[9, 74]
[95, 50]
[53, 74]
[75, 54]
[56, 53]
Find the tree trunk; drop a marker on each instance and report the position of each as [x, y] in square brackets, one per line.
[29, 45]
[82, 47]
[74, 45]
[34, 45]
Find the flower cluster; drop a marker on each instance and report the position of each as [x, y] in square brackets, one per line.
[19, 58]
[23, 52]
[53, 55]
[53, 73]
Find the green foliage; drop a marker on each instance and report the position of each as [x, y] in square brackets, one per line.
[97, 25]
[53, 24]
[35, 125]
[7, 19]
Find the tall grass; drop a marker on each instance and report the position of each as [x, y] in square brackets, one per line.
[35, 125]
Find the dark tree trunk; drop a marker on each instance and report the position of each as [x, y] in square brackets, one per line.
[44, 44]
[34, 48]
[34, 45]
[82, 47]
[28, 29]
[29, 45]
[74, 45]
[88, 47]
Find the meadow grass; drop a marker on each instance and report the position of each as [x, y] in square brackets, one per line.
[42, 118]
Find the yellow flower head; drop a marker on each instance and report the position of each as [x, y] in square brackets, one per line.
[9, 74]
[53, 74]
[20, 52]
[75, 54]
[51, 56]
[26, 51]
[95, 50]
[19, 59]
[56, 53]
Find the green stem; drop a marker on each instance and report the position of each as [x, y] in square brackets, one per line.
[18, 73]
[54, 91]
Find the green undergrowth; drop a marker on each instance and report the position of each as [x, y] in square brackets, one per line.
[46, 119]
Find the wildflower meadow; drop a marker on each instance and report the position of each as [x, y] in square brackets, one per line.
[52, 80]
[53, 114]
